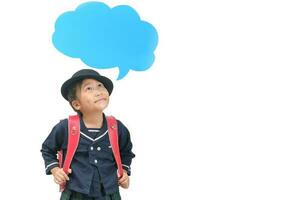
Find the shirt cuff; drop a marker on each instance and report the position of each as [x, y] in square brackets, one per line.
[127, 168]
[50, 166]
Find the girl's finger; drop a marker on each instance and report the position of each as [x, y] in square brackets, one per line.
[65, 177]
[123, 181]
[60, 177]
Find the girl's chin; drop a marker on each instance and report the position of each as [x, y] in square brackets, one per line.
[101, 107]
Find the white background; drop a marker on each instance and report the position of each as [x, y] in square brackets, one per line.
[218, 115]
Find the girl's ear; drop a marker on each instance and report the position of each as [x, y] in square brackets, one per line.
[76, 104]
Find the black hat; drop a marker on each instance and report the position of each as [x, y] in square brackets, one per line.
[84, 74]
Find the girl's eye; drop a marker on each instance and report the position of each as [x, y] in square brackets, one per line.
[89, 88]
[100, 85]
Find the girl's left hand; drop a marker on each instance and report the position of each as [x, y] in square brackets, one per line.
[124, 180]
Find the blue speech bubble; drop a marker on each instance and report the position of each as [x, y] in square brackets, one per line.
[104, 37]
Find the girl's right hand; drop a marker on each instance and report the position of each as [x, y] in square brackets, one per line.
[59, 175]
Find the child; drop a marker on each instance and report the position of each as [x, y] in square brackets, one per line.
[93, 173]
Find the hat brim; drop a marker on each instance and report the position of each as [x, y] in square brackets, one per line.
[67, 84]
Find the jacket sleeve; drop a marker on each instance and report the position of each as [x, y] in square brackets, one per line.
[52, 145]
[125, 146]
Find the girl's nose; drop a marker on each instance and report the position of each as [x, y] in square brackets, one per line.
[97, 93]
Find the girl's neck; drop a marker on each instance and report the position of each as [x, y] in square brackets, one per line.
[93, 120]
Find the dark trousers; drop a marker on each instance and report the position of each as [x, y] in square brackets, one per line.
[71, 195]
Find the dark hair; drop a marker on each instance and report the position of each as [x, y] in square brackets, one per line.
[72, 94]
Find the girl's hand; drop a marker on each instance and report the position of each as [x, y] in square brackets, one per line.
[59, 175]
[124, 180]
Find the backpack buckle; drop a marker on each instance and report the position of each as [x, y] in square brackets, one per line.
[73, 130]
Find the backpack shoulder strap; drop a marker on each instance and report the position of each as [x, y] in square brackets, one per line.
[73, 141]
[113, 137]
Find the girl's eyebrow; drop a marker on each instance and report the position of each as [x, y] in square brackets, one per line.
[86, 84]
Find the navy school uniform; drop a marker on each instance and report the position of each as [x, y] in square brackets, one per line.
[94, 171]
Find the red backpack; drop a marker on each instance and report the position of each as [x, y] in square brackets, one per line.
[73, 141]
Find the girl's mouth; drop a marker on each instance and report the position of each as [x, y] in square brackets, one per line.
[103, 99]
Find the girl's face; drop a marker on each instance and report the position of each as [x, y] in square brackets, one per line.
[92, 97]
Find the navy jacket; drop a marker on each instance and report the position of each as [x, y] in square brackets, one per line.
[93, 163]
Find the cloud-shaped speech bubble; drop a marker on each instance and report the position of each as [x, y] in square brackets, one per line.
[104, 37]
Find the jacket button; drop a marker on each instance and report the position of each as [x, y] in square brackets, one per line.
[99, 148]
[95, 161]
[91, 148]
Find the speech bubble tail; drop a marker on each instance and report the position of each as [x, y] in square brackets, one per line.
[123, 73]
